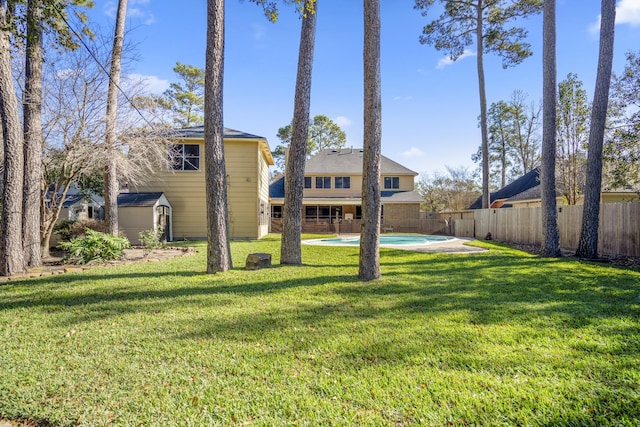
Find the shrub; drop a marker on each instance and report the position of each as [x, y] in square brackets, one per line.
[150, 239]
[94, 247]
[69, 230]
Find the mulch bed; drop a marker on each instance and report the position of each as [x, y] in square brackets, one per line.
[618, 261]
[55, 263]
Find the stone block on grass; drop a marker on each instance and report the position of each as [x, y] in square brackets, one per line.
[257, 261]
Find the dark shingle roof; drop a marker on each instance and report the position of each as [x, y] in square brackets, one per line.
[276, 188]
[128, 200]
[72, 199]
[197, 132]
[524, 183]
[349, 162]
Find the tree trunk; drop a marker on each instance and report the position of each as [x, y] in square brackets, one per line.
[218, 249]
[588, 244]
[369, 265]
[11, 249]
[111, 169]
[1, 164]
[486, 195]
[290, 249]
[32, 111]
[551, 235]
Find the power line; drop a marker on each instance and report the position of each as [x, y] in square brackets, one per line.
[81, 39]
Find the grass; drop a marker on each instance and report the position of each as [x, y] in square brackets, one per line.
[493, 338]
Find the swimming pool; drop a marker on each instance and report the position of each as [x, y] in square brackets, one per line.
[385, 240]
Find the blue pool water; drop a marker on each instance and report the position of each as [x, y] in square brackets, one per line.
[389, 239]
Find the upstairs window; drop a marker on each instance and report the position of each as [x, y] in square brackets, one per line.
[323, 182]
[342, 182]
[391, 182]
[307, 182]
[185, 157]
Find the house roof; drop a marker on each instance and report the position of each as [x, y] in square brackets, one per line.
[349, 162]
[525, 182]
[400, 197]
[276, 188]
[129, 200]
[74, 195]
[72, 199]
[197, 132]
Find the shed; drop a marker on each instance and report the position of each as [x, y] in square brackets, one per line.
[138, 212]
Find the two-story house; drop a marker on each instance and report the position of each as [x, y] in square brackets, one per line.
[182, 181]
[333, 194]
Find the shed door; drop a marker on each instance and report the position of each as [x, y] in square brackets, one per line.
[164, 222]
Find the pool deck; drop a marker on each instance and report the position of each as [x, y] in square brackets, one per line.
[455, 246]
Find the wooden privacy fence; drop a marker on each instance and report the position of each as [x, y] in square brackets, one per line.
[618, 235]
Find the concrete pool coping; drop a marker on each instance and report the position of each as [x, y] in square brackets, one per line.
[454, 246]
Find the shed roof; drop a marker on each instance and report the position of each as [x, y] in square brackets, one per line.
[129, 200]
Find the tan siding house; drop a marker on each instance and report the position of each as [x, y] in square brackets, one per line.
[333, 191]
[247, 159]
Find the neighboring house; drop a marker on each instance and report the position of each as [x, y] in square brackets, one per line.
[498, 198]
[532, 197]
[79, 206]
[526, 192]
[141, 212]
[333, 192]
[182, 180]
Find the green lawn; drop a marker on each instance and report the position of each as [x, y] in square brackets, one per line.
[493, 338]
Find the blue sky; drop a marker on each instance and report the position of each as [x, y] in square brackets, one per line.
[429, 105]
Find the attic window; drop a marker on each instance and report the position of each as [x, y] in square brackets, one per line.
[184, 157]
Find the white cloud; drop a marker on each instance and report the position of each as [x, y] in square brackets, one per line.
[627, 12]
[342, 121]
[413, 152]
[594, 28]
[152, 84]
[142, 13]
[110, 9]
[448, 61]
[258, 31]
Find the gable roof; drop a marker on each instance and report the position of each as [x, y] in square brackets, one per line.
[525, 182]
[349, 162]
[129, 200]
[197, 132]
[72, 199]
[74, 195]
